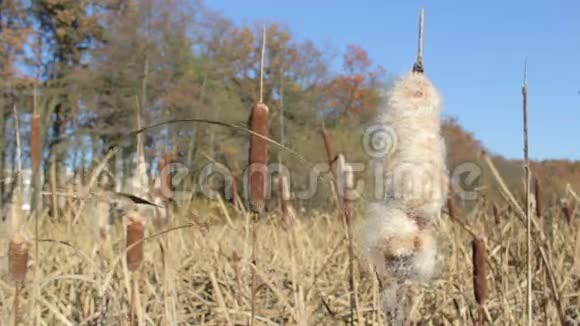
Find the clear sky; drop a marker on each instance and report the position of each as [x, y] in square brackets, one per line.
[474, 52]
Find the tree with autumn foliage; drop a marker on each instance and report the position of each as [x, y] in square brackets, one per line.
[14, 32]
[356, 91]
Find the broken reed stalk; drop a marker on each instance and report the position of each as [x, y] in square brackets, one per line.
[235, 194]
[528, 215]
[538, 197]
[135, 235]
[238, 275]
[479, 274]
[287, 209]
[165, 174]
[17, 267]
[451, 209]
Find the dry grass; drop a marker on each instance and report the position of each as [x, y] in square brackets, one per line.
[302, 274]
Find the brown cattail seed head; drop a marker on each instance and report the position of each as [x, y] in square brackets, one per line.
[479, 270]
[18, 258]
[258, 169]
[538, 197]
[135, 234]
[565, 207]
[496, 216]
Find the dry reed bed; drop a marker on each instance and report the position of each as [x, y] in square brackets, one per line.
[302, 274]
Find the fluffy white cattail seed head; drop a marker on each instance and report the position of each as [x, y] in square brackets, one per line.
[416, 170]
[397, 234]
[395, 244]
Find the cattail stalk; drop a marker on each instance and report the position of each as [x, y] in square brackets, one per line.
[253, 285]
[259, 146]
[479, 274]
[35, 158]
[135, 235]
[528, 215]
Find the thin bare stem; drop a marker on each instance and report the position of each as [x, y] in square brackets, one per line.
[16, 303]
[418, 66]
[420, 38]
[253, 280]
[262, 64]
[528, 217]
[133, 308]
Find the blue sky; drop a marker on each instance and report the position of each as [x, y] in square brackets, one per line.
[474, 52]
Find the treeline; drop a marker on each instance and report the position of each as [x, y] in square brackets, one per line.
[86, 73]
[80, 75]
